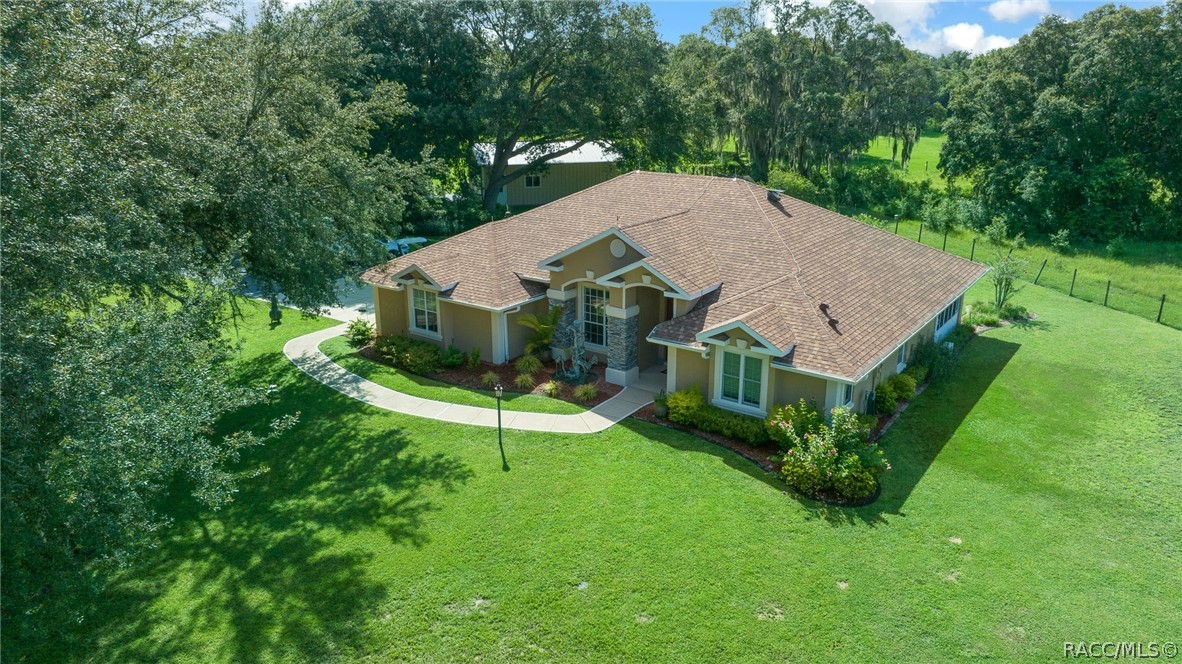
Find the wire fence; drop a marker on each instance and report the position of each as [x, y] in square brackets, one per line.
[1056, 271]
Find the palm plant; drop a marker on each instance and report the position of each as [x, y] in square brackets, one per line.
[543, 326]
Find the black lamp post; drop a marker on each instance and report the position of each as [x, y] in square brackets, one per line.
[498, 390]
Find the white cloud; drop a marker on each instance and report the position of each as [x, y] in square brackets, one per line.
[969, 37]
[1012, 11]
[907, 17]
[910, 19]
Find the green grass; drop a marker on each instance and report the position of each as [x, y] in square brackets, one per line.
[1053, 459]
[341, 352]
[1140, 275]
[924, 156]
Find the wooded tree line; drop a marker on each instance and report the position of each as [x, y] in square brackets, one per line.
[801, 86]
[1078, 126]
[152, 156]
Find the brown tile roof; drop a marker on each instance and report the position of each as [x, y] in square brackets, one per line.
[776, 263]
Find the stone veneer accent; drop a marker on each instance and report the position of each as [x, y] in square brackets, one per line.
[569, 311]
[621, 342]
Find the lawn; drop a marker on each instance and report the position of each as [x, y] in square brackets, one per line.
[1034, 500]
[924, 156]
[1140, 274]
[341, 352]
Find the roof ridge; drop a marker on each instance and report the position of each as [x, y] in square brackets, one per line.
[649, 221]
[816, 317]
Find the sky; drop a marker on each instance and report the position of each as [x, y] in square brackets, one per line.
[934, 27]
[931, 26]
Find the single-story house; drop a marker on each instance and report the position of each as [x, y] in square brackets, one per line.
[757, 298]
[587, 165]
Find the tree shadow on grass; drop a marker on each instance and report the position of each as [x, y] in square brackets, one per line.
[275, 570]
[920, 433]
[687, 442]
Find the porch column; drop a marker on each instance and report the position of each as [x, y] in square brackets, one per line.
[565, 300]
[622, 324]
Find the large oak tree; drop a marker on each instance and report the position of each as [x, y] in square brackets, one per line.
[148, 157]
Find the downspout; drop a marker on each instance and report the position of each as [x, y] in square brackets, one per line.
[505, 329]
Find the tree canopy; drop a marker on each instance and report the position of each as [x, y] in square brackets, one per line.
[1076, 127]
[149, 157]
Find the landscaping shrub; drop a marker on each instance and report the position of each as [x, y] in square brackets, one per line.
[748, 429]
[528, 364]
[837, 461]
[885, 400]
[489, 379]
[359, 332]
[983, 313]
[918, 372]
[524, 381]
[960, 335]
[688, 407]
[552, 388]
[988, 313]
[903, 386]
[586, 393]
[452, 357]
[802, 418]
[684, 405]
[474, 358]
[413, 355]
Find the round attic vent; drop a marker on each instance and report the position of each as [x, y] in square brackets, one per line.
[618, 248]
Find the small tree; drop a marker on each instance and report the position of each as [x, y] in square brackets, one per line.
[543, 326]
[1005, 273]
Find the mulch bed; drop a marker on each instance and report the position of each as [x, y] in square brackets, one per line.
[463, 377]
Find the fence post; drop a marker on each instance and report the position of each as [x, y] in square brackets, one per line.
[1106, 289]
[945, 247]
[973, 251]
[1071, 291]
[920, 239]
[896, 224]
[1161, 306]
[1044, 264]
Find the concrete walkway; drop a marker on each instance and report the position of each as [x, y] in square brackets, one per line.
[305, 353]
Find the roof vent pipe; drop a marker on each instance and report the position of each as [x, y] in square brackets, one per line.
[773, 195]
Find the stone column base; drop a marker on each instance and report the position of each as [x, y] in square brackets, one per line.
[622, 377]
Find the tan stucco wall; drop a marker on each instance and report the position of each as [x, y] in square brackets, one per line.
[390, 311]
[691, 369]
[651, 303]
[466, 327]
[557, 181]
[519, 333]
[461, 326]
[789, 388]
[887, 367]
[596, 257]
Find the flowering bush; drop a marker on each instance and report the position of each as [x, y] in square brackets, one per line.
[802, 418]
[836, 461]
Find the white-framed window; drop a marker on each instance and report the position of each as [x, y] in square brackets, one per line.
[741, 380]
[945, 319]
[533, 181]
[594, 316]
[901, 358]
[424, 310]
[847, 395]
